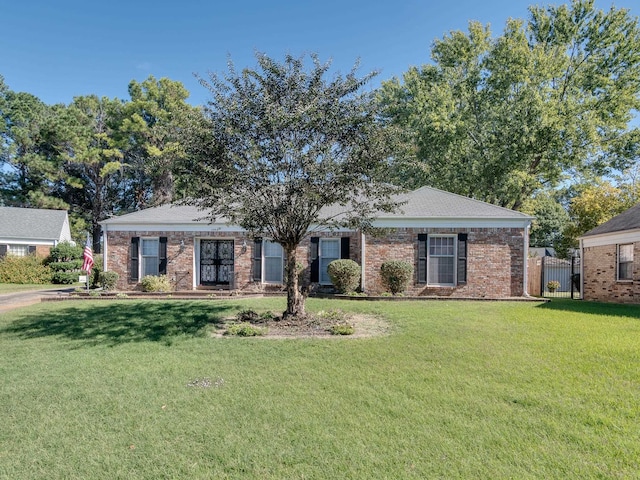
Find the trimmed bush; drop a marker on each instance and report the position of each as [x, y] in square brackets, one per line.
[108, 280]
[396, 275]
[97, 269]
[65, 252]
[65, 262]
[24, 270]
[153, 283]
[345, 275]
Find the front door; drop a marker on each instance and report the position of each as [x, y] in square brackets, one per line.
[216, 262]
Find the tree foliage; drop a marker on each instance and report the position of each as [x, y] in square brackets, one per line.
[498, 119]
[281, 143]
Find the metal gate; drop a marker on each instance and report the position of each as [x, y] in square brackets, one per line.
[554, 277]
[216, 262]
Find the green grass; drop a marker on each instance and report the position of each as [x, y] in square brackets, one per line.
[135, 389]
[15, 287]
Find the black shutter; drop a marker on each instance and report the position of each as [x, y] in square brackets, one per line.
[162, 256]
[344, 248]
[32, 249]
[422, 258]
[462, 258]
[134, 263]
[315, 260]
[257, 260]
[3, 250]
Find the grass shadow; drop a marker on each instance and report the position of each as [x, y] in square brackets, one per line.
[117, 323]
[593, 308]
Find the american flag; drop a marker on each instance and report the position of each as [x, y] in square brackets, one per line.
[87, 255]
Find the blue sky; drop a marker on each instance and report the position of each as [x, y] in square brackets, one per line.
[60, 49]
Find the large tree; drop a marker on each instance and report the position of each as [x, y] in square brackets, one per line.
[29, 161]
[93, 184]
[280, 142]
[151, 137]
[498, 119]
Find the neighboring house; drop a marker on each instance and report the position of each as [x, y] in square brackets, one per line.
[459, 248]
[32, 230]
[611, 259]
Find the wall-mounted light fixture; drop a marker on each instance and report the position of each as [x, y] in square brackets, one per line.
[182, 245]
[244, 246]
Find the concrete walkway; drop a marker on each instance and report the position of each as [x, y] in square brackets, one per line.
[11, 301]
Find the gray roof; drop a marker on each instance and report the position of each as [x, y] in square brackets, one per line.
[428, 202]
[627, 220]
[162, 215]
[32, 223]
[425, 202]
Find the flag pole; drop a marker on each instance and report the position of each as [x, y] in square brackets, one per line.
[87, 257]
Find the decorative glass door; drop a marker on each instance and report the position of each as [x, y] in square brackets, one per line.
[216, 262]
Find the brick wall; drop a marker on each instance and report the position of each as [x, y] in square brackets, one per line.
[180, 261]
[495, 261]
[495, 265]
[600, 271]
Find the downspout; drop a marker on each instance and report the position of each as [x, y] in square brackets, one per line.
[104, 248]
[525, 286]
[581, 269]
[362, 261]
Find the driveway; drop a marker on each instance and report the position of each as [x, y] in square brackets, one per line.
[11, 301]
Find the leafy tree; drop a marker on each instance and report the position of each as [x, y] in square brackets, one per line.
[593, 205]
[498, 119]
[93, 163]
[551, 218]
[28, 157]
[151, 129]
[282, 143]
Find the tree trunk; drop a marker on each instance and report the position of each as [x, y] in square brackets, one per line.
[295, 298]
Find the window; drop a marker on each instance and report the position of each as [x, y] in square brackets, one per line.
[149, 254]
[441, 260]
[329, 251]
[19, 250]
[273, 264]
[625, 262]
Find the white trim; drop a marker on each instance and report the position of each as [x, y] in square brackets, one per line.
[27, 241]
[263, 264]
[625, 236]
[105, 249]
[320, 241]
[363, 256]
[451, 223]
[443, 222]
[618, 279]
[454, 236]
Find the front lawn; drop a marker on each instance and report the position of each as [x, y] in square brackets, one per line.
[139, 389]
[19, 287]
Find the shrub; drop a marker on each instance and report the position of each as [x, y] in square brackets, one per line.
[244, 329]
[396, 275]
[94, 281]
[342, 329]
[28, 269]
[153, 283]
[64, 278]
[108, 280]
[64, 252]
[345, 275]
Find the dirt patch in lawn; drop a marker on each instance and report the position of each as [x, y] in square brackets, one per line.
[312, 326]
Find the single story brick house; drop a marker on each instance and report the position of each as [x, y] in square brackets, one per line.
[459, 248]
[611, 259]
[32, 230]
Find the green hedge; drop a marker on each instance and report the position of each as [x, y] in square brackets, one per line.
[23, 270]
